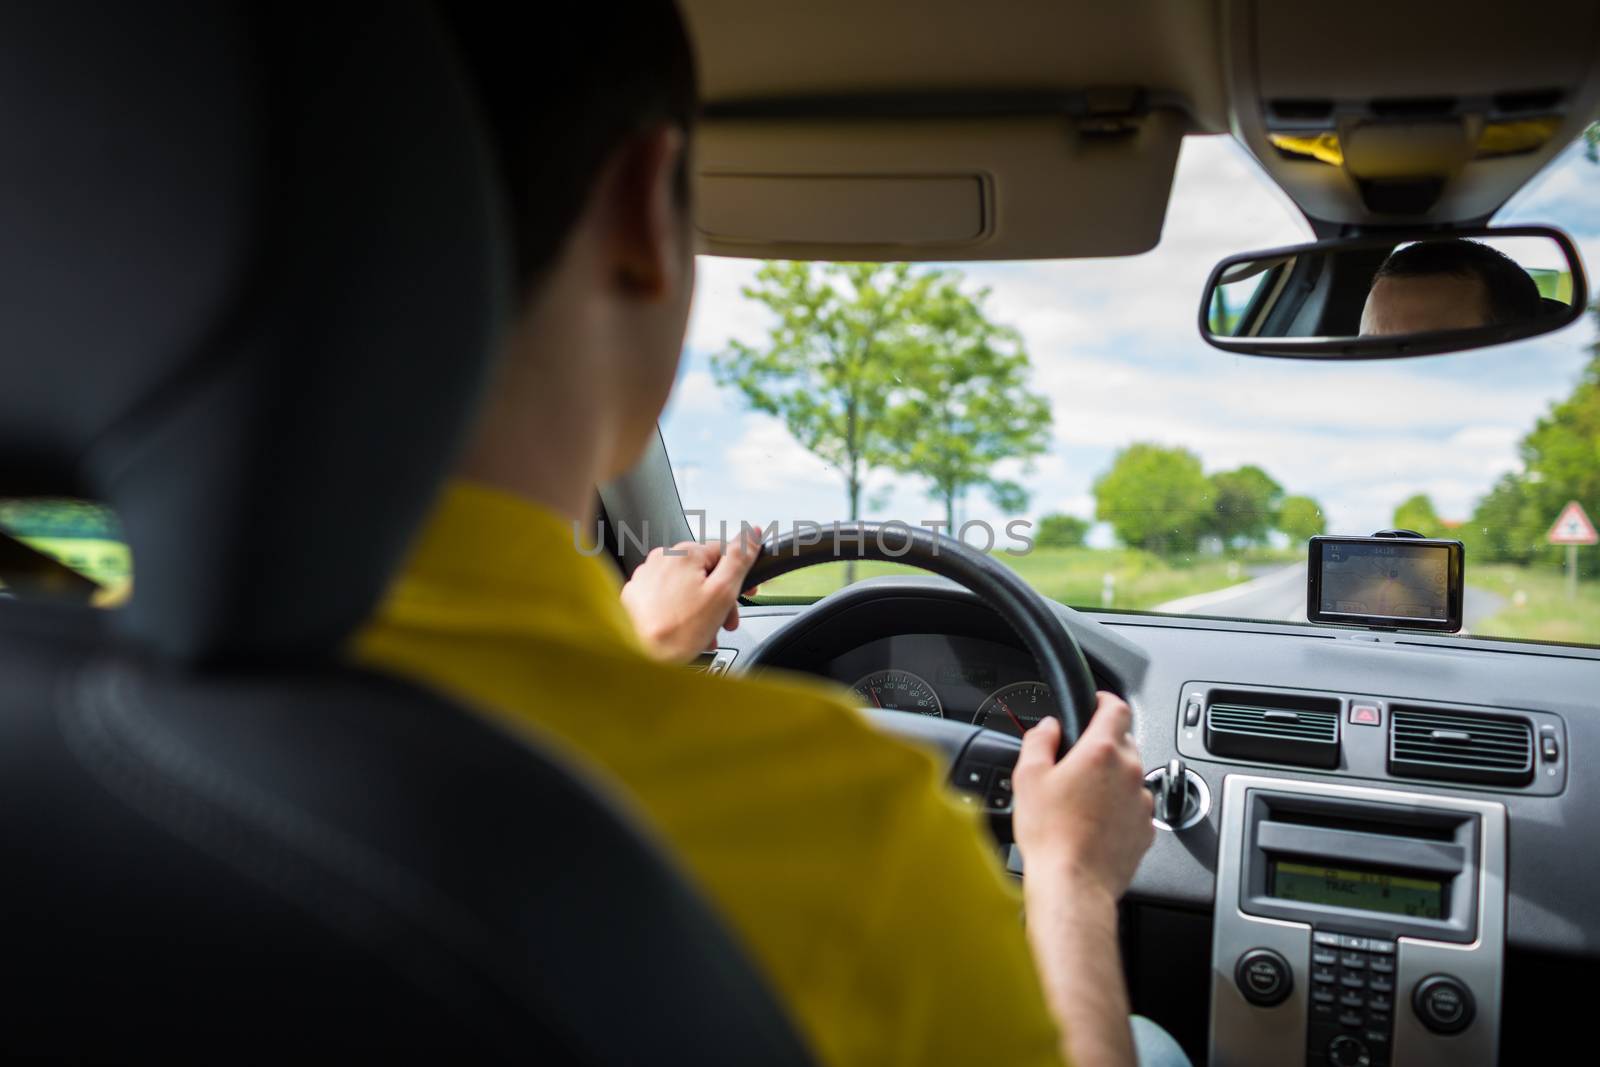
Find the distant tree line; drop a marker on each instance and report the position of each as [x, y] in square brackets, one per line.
[1160, 499]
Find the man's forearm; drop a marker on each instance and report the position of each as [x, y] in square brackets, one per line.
[1073, 931]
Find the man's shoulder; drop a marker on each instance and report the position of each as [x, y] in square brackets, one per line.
[797, 731]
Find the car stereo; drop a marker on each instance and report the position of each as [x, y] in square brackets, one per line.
[1389, 582]
[1356, 927]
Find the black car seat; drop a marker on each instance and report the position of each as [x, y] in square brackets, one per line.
[249, 280]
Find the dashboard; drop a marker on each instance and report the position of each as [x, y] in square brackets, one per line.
[1299, 833]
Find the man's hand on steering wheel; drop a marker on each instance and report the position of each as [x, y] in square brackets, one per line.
[678, 598]
[1083, 821]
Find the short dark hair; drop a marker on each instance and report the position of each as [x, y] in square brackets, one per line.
[1512, 294]
[563, 86]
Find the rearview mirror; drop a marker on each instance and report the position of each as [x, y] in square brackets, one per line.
[1404, 293]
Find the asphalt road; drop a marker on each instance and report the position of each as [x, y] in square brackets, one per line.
[1280, 595]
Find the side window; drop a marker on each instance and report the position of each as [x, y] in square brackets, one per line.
[82, 536]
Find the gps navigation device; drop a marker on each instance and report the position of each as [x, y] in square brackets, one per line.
[1393, 583]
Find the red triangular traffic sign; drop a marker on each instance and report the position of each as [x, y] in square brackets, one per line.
[1573, 527]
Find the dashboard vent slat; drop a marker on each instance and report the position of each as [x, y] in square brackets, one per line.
[1460, 746]
[1274, 728]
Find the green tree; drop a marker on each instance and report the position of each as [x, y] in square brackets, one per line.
[1500, 529]
[1561, 462]
[966, 404]
[1061, 531]
[1417, 513]
[1300, 518]
[1156, 498]
[833, 359]
[1245, 502]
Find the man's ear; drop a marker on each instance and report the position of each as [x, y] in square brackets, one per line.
[646, 209]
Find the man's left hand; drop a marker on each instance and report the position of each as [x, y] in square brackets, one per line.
[678, 598]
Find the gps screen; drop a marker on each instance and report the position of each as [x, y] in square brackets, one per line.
[1386, 580]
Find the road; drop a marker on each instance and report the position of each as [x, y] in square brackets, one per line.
[1280, 595]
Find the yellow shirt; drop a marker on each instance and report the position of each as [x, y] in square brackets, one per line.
[874, 905]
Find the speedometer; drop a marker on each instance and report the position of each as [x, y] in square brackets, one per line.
[1015, 708]
[898, 691]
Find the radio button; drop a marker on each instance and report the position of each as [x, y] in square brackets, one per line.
[1263, 977]
[1443, 1004]
[1346, 1051]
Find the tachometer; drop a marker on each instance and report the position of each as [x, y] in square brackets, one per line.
[1014, 708]
[898, 691]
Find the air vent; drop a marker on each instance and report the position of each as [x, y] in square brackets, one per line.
[1274, 728]
[1460, 746]
[702, 661]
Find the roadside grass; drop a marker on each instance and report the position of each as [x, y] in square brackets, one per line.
[1070, 575]
[1543, 611]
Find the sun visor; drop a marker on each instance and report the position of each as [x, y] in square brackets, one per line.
[1036, 187]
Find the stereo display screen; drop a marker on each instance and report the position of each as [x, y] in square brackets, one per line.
[1349, 887]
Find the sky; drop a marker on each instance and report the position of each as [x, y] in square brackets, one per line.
[1115, 348]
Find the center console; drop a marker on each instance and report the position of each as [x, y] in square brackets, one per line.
[1356, 927]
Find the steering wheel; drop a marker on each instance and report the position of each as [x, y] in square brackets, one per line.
[1061, 664]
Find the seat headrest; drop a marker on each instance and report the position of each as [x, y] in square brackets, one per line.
[249, 287]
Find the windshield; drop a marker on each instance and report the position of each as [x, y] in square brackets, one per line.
[1067, 417]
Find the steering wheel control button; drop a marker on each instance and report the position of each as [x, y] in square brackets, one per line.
[1346, 1051]
[1444, 1005]
[1366, 715]
[1000, 791]
[1264, 977]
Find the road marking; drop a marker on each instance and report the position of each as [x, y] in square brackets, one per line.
[1191, 605]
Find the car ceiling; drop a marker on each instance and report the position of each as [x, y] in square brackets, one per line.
[1012, 129]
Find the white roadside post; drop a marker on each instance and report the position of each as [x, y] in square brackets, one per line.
[1573, 528]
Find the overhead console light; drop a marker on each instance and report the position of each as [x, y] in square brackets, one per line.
[1456, 113]
[1508, 137]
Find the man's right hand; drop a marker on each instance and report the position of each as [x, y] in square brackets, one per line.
[1087, 818]
[1083, 824]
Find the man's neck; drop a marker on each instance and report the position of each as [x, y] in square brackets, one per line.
[541, 433]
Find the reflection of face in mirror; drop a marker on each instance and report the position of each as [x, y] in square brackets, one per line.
[1447, 285]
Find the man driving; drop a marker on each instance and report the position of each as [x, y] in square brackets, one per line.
[1450, 284]
[874, 905]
